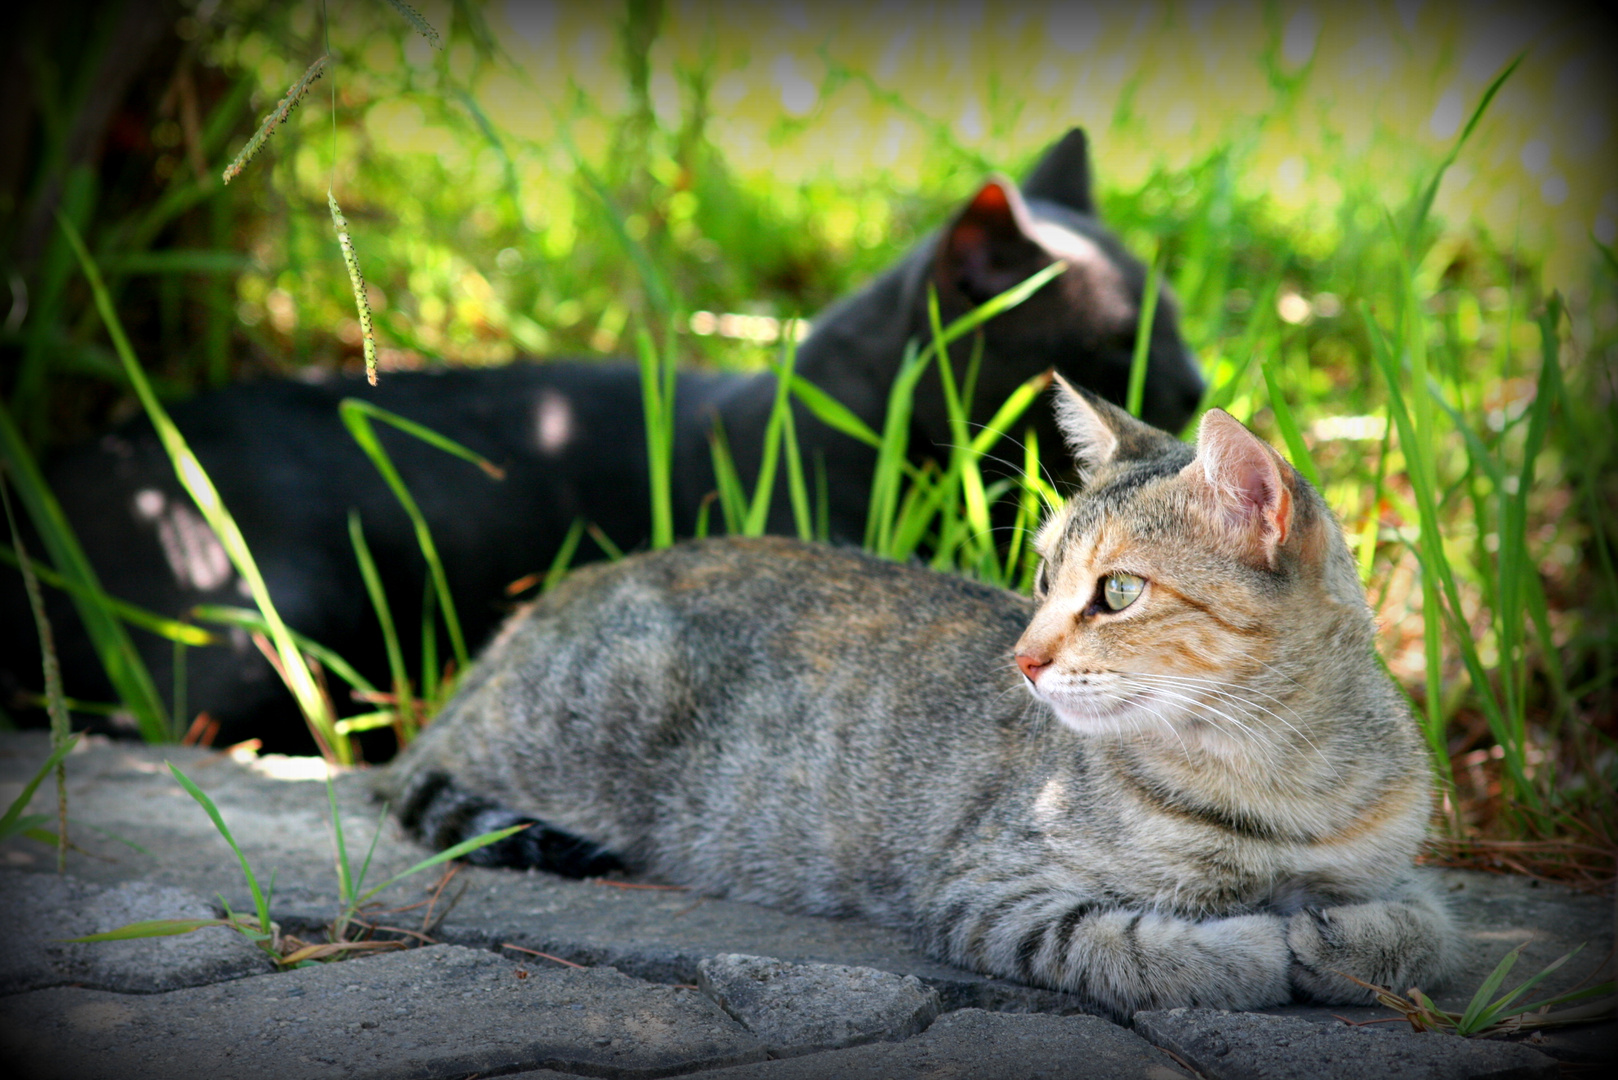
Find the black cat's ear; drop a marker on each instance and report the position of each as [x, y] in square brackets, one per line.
[1245, 482]
[1063, 174]
[988, 248]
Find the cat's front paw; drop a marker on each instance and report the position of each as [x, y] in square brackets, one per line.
[1394, 944]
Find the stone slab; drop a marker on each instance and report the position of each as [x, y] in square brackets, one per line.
[984, 1046]
[441, 1011]
[1253, 1046]
[277, 809]
[43, 909]
[806, 1008]
[1497, 912]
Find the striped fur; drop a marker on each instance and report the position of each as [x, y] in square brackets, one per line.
[1212, 796]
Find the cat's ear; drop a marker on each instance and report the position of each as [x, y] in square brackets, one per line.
[1098, 432]
[1089, 424]
[1063, 174]
[988, 248]
[1247, 484]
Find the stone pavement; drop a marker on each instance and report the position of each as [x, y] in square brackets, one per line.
[665, 982]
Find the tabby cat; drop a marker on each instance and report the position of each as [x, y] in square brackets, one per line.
[1177, 777]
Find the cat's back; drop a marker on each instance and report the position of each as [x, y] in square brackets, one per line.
[659, 703]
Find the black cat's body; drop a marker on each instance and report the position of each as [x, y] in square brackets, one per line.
[571, 439]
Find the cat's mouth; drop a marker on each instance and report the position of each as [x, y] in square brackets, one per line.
[1106, 704]
[1089, 708]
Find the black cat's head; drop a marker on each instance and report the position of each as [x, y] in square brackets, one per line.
[1083, 323]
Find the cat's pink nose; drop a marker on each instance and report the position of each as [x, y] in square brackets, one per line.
[1031, 666]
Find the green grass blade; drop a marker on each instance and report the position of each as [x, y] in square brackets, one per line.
[384, 618]
[1000, 304]
[117, 653]
[150, 928]
[1493, 1010]
[758, 511]
[463, 848]
[656, 288]
[1009, 413]
[14, 821]
[1480, 998]
[371, 721]
[357, 415]
[658, 410]
[173, 629]
[1602, 989]
[895, 442]
[728, 484]
[365, 410]
[833, 413]
[564, 555]
[1143, 335]
[1302, 459]
[1424, 203]
[345, 874]
[261, 903]
[248, 619]
[797, 487]
[55, 707]
[197, 484]
[370, 852]
[1247, 347]
[603, 541]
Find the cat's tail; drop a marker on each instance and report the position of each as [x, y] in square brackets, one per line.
[433, 810]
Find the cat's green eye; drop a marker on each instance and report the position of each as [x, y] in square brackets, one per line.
[1121, 590]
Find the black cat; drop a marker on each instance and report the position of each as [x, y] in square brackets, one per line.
[571, 439]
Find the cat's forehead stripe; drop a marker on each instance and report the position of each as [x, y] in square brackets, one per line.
[1114, 491]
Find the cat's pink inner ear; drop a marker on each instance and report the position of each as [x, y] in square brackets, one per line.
[995, 215]
[1244, 477]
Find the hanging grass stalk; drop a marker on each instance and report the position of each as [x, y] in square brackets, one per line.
[55, 701]
[282, 110]
[362, 302]
[414, 18]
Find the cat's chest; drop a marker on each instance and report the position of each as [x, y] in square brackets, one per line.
[1151, 848]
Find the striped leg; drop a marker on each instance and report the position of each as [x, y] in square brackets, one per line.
[1117, 959]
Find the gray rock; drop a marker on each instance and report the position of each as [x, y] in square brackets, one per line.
[276, 808]
[804, 1008]
[1496, 912]
[984, 1046]
[44, 909]
[1252, 1046]
[439, 1011]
